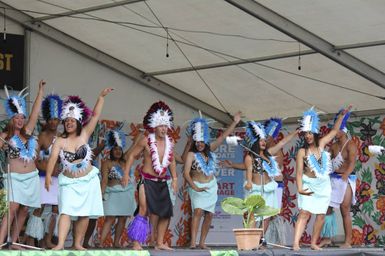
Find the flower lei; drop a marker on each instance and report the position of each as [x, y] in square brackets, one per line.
[160, 168]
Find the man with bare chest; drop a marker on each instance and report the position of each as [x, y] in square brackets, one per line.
[158, 158]
[343, 181]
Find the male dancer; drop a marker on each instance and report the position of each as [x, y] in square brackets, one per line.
[158, 157]
[343, 180]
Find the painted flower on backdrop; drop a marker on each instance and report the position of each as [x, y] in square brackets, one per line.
[363, 152]
[369, 234]
[380, 204]
[367, 131]
[364, 192]
[357, 237]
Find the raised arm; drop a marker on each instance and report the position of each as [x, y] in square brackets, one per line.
[277, 147]
[90, 127]
[333, 132]
[35, 109]
[214, 145]
[52, 161]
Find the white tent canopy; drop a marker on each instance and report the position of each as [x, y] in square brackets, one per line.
[230, 55]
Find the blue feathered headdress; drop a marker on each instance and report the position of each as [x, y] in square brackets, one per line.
[310, 121]
[115, 137]
[254, 132]
[15, 104]
[344, 121]
[199, 130]
[51, 107]
[273, 126]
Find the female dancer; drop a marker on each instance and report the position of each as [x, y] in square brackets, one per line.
[79, 185]
[119, 201]
[313, 181]
[262, 167]
[25, 185]
[199, 172]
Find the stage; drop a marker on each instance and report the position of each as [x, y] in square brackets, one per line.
[196, 252]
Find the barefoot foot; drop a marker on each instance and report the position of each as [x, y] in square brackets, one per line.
[163, 247]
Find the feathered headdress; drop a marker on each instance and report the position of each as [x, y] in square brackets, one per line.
[199, 130]
[51, 107]
[158, 114]
[15, 104]
[310, 121]
[273, 126]
[344, 121]
[74, 107]
[254, 132]
[115, 137]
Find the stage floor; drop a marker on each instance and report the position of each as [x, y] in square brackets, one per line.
[188, 252]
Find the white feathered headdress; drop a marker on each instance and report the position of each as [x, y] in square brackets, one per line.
[15, 104]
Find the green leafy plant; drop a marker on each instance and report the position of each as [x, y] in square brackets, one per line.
[251, 205]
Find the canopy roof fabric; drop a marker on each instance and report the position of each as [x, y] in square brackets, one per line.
[230, 56]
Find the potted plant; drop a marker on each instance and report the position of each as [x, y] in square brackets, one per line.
[253, 206]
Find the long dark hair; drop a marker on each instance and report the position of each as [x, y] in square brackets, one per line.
[10, 130]
[316, 141]
[112, 158]
[206, 150]
[79, 128]
[256, 148]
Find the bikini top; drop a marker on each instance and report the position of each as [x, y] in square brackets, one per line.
[338, 160]
[321, 166]
[84, 153]
[26, 151]
[271, 167]
[199, 163]
[45, 153]
[115, 173]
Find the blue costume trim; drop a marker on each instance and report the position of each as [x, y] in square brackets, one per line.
[208, 168]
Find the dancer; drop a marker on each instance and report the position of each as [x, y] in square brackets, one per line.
[157, 149]
[51, 110]
[79, 185]
[262, 169]
[313, 182]
[343, 182]
[199, 171]
[114, 194]
[24, 191]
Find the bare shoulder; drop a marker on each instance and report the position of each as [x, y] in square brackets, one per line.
[3, 135]
[352, 146]
[301, 152]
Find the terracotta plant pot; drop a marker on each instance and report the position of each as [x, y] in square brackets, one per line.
[248, 238]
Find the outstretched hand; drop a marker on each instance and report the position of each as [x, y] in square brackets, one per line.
[305, 192]
[42, 84]
[347, 109]
[106, 91]
[237, 117]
